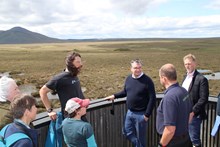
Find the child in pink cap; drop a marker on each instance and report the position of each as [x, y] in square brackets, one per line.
[75, 131]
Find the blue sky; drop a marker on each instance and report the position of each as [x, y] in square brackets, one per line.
[83, 19]
[185, 8]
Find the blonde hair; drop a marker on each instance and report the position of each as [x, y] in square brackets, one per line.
[190, 56]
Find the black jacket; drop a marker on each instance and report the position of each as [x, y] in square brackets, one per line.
[199, 93]
[218, 105]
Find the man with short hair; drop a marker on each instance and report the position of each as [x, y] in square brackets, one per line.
[198, 88]
[140, 92]
[23, 109]
[173, 111]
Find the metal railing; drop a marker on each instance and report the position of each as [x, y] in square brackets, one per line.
[108, 127]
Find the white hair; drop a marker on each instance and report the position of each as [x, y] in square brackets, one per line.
[4, 87]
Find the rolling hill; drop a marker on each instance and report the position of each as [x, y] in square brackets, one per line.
[19, 35]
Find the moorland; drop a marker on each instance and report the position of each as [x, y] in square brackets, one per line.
[106, 63]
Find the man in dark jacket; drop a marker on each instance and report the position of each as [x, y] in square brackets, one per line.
[197, 86]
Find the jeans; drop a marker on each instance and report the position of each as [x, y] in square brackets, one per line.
[194, 130]
[135, 128]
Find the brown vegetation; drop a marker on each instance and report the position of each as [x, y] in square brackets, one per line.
[106, 64]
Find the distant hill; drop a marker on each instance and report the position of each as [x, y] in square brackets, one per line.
[19, 35]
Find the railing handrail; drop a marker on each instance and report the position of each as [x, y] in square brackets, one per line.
[107, 128]
[101, 102]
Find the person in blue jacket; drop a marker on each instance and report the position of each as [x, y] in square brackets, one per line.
[23, 109]
[217, 121]
[76, 132]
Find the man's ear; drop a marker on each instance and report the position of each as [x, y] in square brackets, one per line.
[26, 112]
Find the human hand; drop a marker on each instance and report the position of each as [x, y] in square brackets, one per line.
[146, 118]
[53, 115]
[191, 116]
[111, 97]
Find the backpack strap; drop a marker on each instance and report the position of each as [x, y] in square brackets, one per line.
[2, 133]
[24, 131]
[14, 138]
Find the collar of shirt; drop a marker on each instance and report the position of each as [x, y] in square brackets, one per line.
[21, 122]
[190, 74]
[138, 76]
[171, 86]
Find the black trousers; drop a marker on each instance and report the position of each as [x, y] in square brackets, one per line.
[183, 141]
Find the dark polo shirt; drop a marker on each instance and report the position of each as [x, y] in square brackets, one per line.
[174, 110]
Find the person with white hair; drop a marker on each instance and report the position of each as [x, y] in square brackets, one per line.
[8, 90]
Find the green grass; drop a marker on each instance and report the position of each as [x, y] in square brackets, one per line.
[106, 64]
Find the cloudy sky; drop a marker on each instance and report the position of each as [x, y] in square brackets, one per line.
[83, 19]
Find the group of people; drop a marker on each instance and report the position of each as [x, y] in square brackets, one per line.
[22, 112]
[179, 114]
[23, 109]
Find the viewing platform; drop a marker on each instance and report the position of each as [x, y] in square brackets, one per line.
[107, 124]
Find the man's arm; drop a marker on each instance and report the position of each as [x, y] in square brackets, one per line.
[167, 135]
[152, 99]
[43, 95]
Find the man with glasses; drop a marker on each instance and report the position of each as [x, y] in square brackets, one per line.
[140, 92]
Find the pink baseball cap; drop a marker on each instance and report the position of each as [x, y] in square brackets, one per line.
[75, 103]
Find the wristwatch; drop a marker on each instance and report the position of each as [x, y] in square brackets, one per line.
[49, 110]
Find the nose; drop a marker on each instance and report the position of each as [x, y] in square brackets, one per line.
[18, 91]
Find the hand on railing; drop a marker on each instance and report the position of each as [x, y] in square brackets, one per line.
[109, 98]
[53, 115]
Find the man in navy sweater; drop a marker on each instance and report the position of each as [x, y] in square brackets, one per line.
[140, 92]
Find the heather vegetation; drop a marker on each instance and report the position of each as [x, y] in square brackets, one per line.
[106, 63]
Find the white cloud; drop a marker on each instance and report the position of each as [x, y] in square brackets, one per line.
[103, 19]
[207, 26]
[214, 4]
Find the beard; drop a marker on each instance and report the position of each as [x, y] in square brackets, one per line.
[74, 70]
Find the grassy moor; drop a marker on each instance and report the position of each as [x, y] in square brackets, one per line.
[106, 63]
